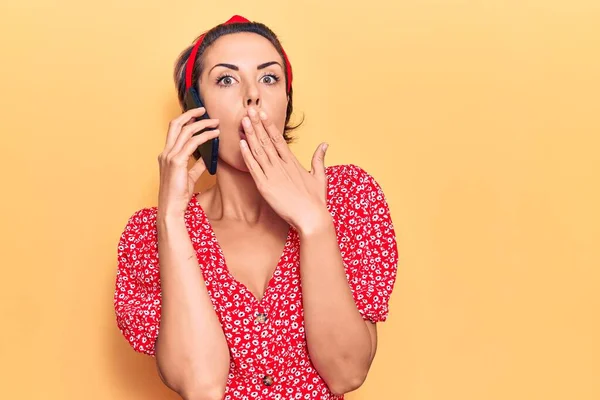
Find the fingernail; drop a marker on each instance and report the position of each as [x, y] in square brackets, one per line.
[263, 115]
[325, 146]
[246, 122]
[252, 112]
[243, 143]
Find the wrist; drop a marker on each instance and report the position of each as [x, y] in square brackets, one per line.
[315, 223]
[168, 218]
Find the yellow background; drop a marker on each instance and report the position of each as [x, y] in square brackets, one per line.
[480, 119]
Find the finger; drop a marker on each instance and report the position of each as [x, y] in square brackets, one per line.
[176, 124]
[251, 163]
[262, 135]
[189, 130]
[258, 151]
[276, 137]
[192, 144]
[318, 161]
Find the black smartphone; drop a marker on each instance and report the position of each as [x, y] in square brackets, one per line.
[209, 151]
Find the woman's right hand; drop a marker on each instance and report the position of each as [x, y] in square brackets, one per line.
[176, 181]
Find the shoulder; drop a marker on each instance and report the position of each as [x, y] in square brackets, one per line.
[349, 175]
[352, 183]
[139, 232]
[141, 222]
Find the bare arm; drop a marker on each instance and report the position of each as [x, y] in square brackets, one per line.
[191, 351]
[341, 343]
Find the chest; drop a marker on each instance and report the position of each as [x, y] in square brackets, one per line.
[251, 255]
[258, 296]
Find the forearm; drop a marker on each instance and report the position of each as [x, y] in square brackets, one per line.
[191, 349]
[338, 339]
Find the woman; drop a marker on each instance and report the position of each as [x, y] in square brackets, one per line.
[272, 281]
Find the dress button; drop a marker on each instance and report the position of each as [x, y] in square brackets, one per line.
[268, 380]
[261, 318]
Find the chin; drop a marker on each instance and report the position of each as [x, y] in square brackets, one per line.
[235, 162]
[242, 167]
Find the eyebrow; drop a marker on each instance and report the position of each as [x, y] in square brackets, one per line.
[236, 68]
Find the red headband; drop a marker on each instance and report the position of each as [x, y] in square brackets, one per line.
[235, 19]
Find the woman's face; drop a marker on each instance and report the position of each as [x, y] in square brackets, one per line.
[242, 70]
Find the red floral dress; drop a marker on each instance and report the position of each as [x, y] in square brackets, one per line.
[266, 338]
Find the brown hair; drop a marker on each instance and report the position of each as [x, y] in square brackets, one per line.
[210, 37]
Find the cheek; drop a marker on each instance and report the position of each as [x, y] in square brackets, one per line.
[218, 108]
[280, 114]
[231, 154]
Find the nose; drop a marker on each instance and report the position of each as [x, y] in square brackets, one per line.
[252, 101]
[252, 96]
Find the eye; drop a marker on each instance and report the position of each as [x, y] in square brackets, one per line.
[270, 79]
[225, 80]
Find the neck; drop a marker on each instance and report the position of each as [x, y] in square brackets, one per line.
[235, 197]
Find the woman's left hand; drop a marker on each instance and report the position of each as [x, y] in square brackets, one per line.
[297, 195]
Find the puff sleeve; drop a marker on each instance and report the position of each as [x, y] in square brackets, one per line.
[137, 297]
[371, 242]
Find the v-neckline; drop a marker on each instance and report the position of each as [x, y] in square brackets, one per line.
[245, 289]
